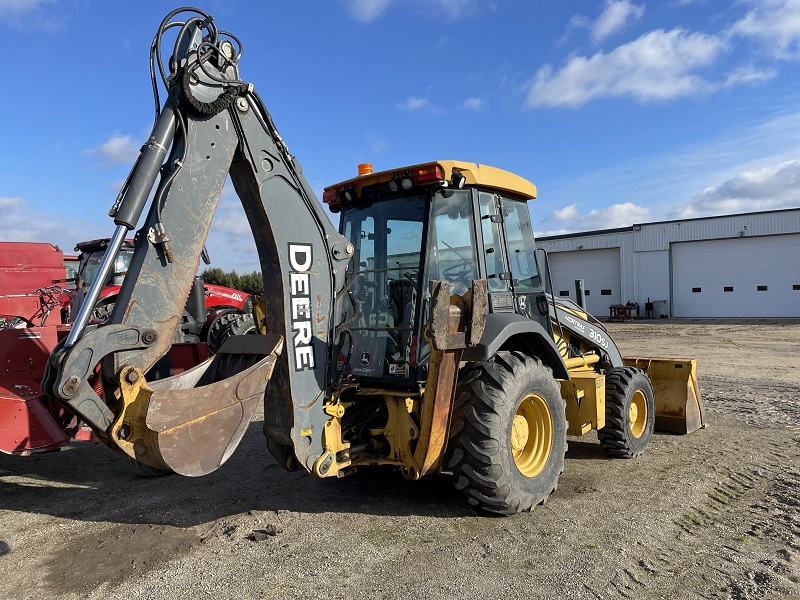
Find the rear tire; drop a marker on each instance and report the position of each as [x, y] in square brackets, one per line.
[230, 323]
[508, 434]
[630, 413]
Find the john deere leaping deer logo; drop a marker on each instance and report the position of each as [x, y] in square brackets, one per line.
[364, 358]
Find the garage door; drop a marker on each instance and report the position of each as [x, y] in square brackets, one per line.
[738, 277]
[600, 271]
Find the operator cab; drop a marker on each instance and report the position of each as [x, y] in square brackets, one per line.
[443, 220]
[91, 255]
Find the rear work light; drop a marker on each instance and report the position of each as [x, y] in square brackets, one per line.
[328, 196]
[425, 174]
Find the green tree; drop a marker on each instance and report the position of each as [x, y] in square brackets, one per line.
[251, 283]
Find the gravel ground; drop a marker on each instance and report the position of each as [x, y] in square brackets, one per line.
[710, 515]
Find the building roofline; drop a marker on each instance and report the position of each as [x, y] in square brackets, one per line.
[562, 236]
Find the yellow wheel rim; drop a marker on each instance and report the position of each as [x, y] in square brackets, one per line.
[532, 435]
[637, 414]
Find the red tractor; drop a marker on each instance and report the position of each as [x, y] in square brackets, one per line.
[38, 295]
[223, 306]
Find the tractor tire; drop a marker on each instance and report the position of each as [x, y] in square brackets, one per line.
[630, 413]
[508, 434]
[147, 471]
[228, 324]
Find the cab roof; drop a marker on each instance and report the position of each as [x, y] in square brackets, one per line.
[99, 244]
[475, 175]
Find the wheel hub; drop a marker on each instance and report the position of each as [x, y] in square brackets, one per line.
[532, 435]
[637, 414]
[519, 433]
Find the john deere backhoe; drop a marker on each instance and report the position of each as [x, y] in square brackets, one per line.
[419, 336]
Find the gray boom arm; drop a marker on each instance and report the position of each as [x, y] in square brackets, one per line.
[222, 128]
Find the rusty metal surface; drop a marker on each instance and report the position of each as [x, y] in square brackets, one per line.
[440, 386]
[199, 427]
[200, 446]
[479, 308]
[191, 423]
[438, 326]
[439, 404]
[457, 321]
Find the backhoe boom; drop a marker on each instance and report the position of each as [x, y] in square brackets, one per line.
[218, 127]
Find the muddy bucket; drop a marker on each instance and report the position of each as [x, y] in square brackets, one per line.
[679, 408]
[192, 422]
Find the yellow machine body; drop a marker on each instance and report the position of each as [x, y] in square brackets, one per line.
[678, 404]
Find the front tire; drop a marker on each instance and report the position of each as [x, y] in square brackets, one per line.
[508, 434]
[630, 413]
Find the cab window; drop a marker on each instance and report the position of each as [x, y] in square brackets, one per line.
[521, 246]
[492, 242]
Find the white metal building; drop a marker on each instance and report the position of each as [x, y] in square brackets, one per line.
[745, 265]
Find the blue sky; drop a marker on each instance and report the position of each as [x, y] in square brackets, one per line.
[620, 111]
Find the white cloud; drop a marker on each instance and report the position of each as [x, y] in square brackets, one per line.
[775, 23]
[567, 213]
[230, 241]
[6, 202]
[767, 188]
[688, 181]
[366, 11]
[456, 9]
[413, 103]
[118, 149]
[616, 215]
[374, 141]
[748, 74]
[23, 14]
[615, 16]
[659, 65]
[474, 103]
[25, 223]
[21, 6]
[571, 219]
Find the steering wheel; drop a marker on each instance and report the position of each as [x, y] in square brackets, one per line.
[465, 266]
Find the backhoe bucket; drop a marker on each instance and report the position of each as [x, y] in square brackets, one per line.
[192, 423]
[679, 408]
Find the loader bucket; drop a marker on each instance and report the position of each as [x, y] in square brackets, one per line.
[193, 422]
[679, 408]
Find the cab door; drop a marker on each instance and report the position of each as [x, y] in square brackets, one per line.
[495, 261]
[509, 258]
[526, 281]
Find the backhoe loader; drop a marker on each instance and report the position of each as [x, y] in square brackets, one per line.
[420, 335]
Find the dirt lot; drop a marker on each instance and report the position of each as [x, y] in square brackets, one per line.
[711, 515]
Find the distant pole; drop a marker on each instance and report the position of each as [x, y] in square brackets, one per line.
[580, 295]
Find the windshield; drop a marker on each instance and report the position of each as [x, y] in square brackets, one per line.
[91, 262]
[388, 238]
